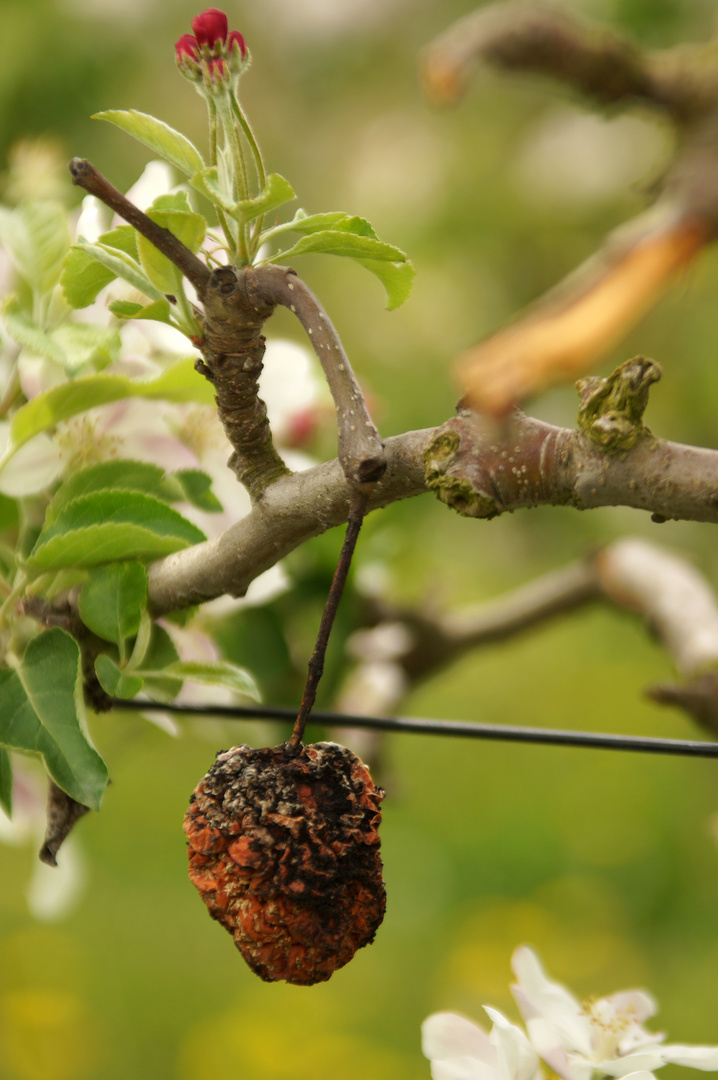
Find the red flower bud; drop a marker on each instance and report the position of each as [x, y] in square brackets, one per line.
[236, 40]
[210, 26]
[187, 46]
[217, 70]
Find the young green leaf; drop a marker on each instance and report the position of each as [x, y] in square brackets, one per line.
[72, 345]
[397, 279]
[196, 489]
[334, 221]
[42, 712]
[158, 657]
[113, 599]
[9, 513]
[189, 228]
[160, 137]
[36, 236]
[123, 266]
[5, 781]
[275, 193]
[218, 674]
[114, 681]
[83, 277]
[172, 200]
[121, 474]
[343, 242]
[179, 382]
[157, 311]
[207, 182]
[389, 263]
[107, 525]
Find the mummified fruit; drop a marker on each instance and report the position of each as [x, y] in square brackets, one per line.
[285, 853]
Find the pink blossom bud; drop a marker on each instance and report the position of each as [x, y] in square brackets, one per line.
[188, 47]
[236, 41]
[210, 26]
[217, 70]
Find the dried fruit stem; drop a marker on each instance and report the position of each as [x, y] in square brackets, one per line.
[357, 509]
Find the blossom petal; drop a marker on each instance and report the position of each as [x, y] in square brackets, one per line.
[32, 468]
[462, 1068]
[637, 1004]
[447, 1035]
[695, 1057]
[537, 996]
[517, 1057]
[641, 1061]
[547, 1043]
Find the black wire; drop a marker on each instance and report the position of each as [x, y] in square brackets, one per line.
[465, 729]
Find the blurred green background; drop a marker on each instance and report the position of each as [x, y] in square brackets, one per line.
[607, 864]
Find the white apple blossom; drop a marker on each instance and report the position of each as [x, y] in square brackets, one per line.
[458, 1049]
[602, 1037]
[51, 892]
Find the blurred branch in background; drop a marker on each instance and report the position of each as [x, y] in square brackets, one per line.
[404, 646]
[570, 329]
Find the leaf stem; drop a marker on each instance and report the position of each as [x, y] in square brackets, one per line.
[258, 165]
[233, 145]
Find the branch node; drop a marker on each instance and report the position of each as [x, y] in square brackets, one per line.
[447, 478]
[611, 410]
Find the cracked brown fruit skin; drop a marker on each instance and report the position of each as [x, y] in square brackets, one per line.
[285, 854]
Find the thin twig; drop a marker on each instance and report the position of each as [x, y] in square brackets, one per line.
[361, 449]
[86, 176]
[316, 663]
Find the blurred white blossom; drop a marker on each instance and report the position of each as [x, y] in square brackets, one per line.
[603, 1037]
[52, 891]
[461, 1050]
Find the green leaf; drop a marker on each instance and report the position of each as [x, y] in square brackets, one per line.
[343, 242]
[189, 228]
[9, 513]
[158, 311]
[113, 599]
[42, 712]
[122, 474]
[275, 192]
[397, 279]
[114, 681]
[160, 137]
[107, 525]
[309, 223]
[179, 382]
[334, 221]
[21, 327]
[159, 656]
[389, 263]
[123, 266]
[196, 489]
[219, 674]
[5, 781]
[173, 200]
[206, 181]
[36, 237]
[72, 345]
[83, 277]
